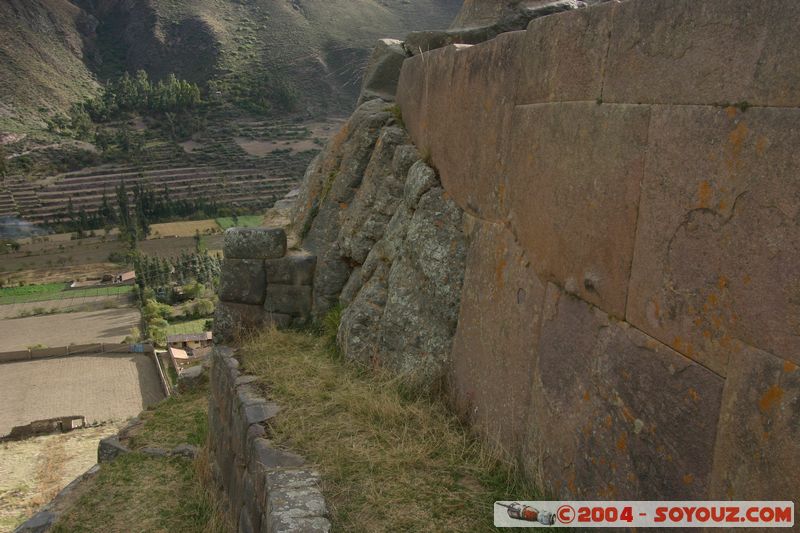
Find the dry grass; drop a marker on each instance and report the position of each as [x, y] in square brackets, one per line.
[154, 494]
[389, 461]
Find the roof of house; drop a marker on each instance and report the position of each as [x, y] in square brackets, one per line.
[128, 276]
[189, 337]
[177, 353]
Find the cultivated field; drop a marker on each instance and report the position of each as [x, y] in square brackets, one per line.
[184, 228]
[101, 387]
[108, 325]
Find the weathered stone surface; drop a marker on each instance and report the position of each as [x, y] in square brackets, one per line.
[329, 190]
[758, 444]
[291, 300]
[242, 281]
[497, 335]
[383, 71]
[564, 56]
[717, 257]
[109, 449]
[245, 523]
[508, 19]
[291, 479]
[425, 281]
[359, 330]
[233, 321]
[615, 413]
[732, 51]
[258, 412]
[264, 454]
[187, 451]
[581, 231]
[364, 222]
[421, 179]
[294, 269]
[254, 243]
[475, 182]
[38, 523]
[154, 451]
[289, 524]
[301, 502]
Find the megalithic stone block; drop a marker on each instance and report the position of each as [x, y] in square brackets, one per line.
[294, 269]
[288, 300]
[243, 281]
[254, 243]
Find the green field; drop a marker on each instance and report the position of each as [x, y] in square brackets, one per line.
[245, 221]
[56, 291]
[191, 326]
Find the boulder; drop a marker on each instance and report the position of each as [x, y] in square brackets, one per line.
[383, 71]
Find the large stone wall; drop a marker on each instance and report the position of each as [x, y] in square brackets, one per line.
[629, 325]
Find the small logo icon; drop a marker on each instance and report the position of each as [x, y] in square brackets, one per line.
[565, 514]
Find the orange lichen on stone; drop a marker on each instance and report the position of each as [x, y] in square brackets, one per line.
[761, 145]
[688, 479]
[628, 415]
[770, 398]
[747, 279]
[499, 272]
[731, 111]
[693, 394]
[789, 367]
[622, 442]
[586, 396]
[677, 344]
[722, 282]
[704, 194]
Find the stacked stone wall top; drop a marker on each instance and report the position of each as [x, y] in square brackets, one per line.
[260, 284]
[265, 489]
[636, 158]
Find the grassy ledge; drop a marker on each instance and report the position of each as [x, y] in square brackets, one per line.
[153, 494]
[389, 462]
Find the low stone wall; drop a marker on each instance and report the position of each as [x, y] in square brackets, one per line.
[261, 284]
[72, 349]
[266, 489]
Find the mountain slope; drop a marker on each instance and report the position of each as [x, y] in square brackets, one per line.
[273, 56]
[44, 47]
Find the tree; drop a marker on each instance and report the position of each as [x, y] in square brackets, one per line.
[3, 162]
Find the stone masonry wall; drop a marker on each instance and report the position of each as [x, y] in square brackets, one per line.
[261, 283]
[630, 320]
[266, 489]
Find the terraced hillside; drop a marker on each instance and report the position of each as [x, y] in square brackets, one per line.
[245, 164]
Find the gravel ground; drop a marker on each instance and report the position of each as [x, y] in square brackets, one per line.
[101, 387]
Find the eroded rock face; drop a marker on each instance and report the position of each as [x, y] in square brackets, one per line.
[405, 315]
[328, 189]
